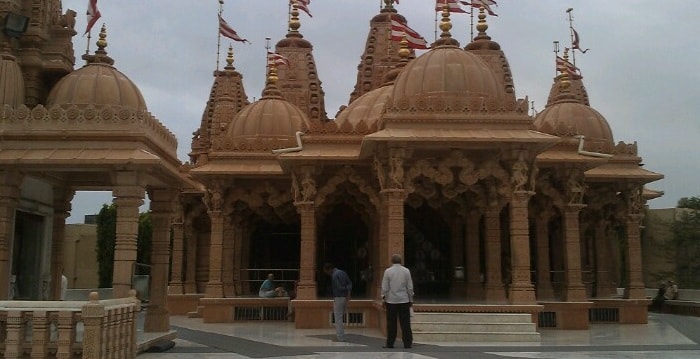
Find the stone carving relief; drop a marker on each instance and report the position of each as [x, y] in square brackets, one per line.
[308, 186]
[396, 172]
[213, 198]
[575, 187]
[634, 200]
[519, 174]
[347, 174]
[381, 174]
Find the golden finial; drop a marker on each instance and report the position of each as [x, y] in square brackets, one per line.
[404, 51]
[388, 4]
[446, 26]
[481, 25]
[564, 77]
[271, 89]
[294, 23]
[102, 42]
[229, 58]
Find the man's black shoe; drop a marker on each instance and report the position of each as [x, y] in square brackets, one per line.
[407, 346]
[388, 347]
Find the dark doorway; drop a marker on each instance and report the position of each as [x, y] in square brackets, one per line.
[427, 252]
[275, 248]
[27, 256]
[344, 241]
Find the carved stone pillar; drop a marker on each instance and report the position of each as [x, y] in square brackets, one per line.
[604, 281]
[521, 289]
[493, 288]
[306, 288]
[61, 211]
[177, 261]
[215, 286]
[475, 291]
[575, 291]
[162, 206]
[191, 262]
[635, 286]
[382, 245]
[9, 198]
[544, 278]
[395, 222]
[127, 200]
[229, 233]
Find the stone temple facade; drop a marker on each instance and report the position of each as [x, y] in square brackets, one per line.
[434, 157]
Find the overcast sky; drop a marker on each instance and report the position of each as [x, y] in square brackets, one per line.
[640, 73]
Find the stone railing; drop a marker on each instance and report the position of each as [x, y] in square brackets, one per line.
[69, 329]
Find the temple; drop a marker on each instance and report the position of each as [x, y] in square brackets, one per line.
[494, 210]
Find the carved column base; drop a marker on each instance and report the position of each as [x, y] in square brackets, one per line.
[522, 294]
[494, 294]
[157, 321]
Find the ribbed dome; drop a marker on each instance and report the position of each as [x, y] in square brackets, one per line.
[11, 81]
[447, 70]
[97, 84]
[571, 118]
[368, 108]
[268, 118]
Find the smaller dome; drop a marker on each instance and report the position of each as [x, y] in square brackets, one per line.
[571, 118]
[368, 108]
[97, 84]
[447, 70]
[11, 81]
[268, 118]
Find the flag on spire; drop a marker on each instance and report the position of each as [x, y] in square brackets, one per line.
[486, 4]
[575, 44]
[276, 59]
[302, 5]
[452, 6]
[92, 15]
[227, 31]
[565, 66]
[399, 30]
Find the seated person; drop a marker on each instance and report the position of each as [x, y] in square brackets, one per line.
[671, 290]
[268, 289]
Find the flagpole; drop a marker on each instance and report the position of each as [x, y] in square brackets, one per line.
[471, 24]
[218, 38]
[556, 54]
[289, 21]
[570, 14]
[267, 54]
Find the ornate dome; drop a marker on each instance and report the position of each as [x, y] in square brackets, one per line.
[97, 83]
[268, 117]
[11, 81]
[271, 118]
[447, 71]
[568, 118]
[368, 108]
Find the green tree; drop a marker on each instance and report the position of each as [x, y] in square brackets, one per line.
[144, 240]
[686, 239]
[106, 222]
[106, 238]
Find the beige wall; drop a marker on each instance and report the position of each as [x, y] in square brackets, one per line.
[79, 258]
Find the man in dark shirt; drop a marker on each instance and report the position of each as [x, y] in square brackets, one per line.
[341, 287]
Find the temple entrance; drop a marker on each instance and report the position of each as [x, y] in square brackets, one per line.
[427, 252]
[28, 281]
[345, 243]
[274, 248]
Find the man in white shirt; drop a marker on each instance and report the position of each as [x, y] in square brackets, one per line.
[397, 294]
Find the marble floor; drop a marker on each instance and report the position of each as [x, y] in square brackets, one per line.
[666, 336]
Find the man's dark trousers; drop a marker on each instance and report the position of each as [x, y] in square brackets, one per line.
[402, 311]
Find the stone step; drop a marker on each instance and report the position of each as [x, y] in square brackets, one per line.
[424, 337]
[472, 317]
[199, 313]
[473, 327]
